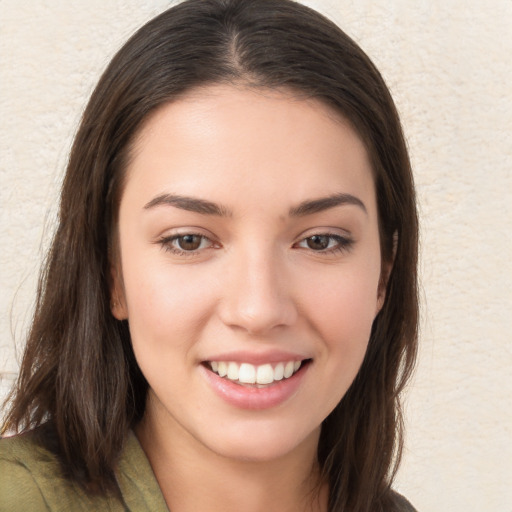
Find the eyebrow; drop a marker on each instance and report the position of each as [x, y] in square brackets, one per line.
[204, 207]
[325, 203]
[191, 204]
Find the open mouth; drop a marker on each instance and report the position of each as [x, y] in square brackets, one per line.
[246, 374]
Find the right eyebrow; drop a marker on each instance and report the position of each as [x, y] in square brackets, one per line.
[191, 204]
[312, 206]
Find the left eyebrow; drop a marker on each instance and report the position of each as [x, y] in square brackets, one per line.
[191, 204]
[325, 203]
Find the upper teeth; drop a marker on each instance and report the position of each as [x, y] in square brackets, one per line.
[247, 373]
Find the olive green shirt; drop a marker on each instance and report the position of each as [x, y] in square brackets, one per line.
[31, 481]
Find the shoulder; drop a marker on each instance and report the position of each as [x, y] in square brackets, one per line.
[401, 504]
[19, 487]
[32, 479]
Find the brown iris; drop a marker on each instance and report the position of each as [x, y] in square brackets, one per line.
[189, 242]
[318, 242]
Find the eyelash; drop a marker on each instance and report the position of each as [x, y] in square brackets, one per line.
[342, 244]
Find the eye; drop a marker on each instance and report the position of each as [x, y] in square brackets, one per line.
[187, 243]
[326, 243]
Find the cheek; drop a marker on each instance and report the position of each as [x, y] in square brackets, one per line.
[166, 314]
[343, 311]
[343, 306]
[161, 300]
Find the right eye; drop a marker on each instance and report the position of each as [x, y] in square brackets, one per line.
[183, 244]
[326, 243]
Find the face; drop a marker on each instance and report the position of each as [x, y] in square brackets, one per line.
[249, 267]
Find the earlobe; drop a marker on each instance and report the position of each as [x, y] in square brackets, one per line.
[118, 310]
[386, 269]
[117, 299]
[381, 292]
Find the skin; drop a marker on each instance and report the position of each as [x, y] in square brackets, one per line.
[256, 283]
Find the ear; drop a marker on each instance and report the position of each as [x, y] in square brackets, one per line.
[385, 272]
[117, 296]
[383, 284]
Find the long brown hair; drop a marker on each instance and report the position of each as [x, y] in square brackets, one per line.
[79, 374]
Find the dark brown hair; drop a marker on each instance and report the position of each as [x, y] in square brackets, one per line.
[79, 373]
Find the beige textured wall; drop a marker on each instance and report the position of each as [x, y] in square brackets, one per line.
[449, 67]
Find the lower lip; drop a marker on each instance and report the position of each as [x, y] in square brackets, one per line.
[252, 397]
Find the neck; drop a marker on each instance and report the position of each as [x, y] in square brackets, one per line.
[192, 477]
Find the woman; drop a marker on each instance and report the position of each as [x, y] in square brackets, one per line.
[228, 312]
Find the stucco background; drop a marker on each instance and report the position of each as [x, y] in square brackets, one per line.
[448, 65]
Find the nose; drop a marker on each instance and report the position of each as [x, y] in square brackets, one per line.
[257, 296]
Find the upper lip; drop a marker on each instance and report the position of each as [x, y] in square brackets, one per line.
[258, 358]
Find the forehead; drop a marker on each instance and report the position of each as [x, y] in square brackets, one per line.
[244, 106]
[226, 141]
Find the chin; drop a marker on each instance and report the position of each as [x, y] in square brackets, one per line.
[263, 444]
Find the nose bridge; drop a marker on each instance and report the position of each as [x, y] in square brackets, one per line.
[257, 295]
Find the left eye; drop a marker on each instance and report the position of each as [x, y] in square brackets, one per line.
[323, 242]
[186, 243]
[190, 242]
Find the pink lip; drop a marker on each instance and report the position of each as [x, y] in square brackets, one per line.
[252, 397]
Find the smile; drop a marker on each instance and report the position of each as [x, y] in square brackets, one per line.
[247, 374]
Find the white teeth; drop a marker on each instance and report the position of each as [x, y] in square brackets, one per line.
[222, 369]
[265, 374]
[232, 371]
[288, 370]
[279, 371]
[246, 373]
